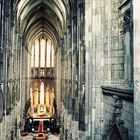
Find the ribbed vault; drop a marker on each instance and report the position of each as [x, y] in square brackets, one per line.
[42, 17]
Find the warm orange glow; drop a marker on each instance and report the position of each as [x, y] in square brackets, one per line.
[42, 93]
[42, 108]
[47, 98]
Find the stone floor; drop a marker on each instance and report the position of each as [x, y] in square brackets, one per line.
[53, 137]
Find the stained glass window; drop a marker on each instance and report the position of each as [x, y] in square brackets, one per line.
[32, 59]
[37, 53]
[42, 52]
[48, 53]
[52, 58]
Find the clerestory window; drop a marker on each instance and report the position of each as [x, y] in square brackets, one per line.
[42, 53]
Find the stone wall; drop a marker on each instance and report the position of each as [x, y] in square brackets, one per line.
[72, 82]
[70, 131]
[118, 109]
[9, 127]
[136, 70]
[107, 56]
[13, 65]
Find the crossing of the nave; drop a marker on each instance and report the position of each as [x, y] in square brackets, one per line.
[69, 70]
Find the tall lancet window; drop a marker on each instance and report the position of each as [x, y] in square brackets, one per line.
[42, 54]
[33, 54]
[48, 53]
[37, 53]
[42, 93]
[52, 56]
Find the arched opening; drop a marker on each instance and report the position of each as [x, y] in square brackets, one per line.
[42, 76]
[42, 25]
[42, 53]
[114, 133]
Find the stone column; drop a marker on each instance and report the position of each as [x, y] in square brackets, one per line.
[20, 82]
[58, 80]
[136, 18]
[88, 133]
[23, 83]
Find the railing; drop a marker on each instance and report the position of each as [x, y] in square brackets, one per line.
[42, 73]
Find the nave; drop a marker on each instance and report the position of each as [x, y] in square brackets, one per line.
[69, 69]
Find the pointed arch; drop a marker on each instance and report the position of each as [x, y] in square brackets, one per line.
[114, 133]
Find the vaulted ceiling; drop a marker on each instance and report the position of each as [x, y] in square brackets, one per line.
[38, 17]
